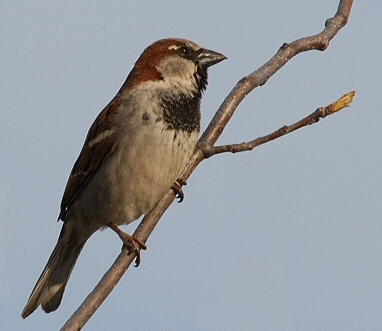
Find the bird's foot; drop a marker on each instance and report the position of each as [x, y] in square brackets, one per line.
[177, 188]
[133, 244]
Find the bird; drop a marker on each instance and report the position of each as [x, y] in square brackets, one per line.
[133, 154]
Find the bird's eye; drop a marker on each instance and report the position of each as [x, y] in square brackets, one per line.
[185, 50]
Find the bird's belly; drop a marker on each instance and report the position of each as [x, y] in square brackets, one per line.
[139, 175]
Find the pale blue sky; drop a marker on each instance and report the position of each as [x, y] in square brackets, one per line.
[287, 237]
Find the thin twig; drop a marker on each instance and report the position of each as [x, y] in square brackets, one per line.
[209, 137]
[314, 117]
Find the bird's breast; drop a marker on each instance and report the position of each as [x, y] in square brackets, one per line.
[146, 166]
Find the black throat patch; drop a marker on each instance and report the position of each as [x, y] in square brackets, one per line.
[182, 112]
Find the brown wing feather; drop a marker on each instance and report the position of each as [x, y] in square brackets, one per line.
[98, 144]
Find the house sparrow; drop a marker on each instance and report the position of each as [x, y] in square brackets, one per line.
[132, 155]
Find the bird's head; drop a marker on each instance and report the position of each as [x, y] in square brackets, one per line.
[177, 62]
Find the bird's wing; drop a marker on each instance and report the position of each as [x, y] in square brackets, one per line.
[99, 143]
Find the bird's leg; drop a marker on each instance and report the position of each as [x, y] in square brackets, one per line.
[133, 244]
[177, 188]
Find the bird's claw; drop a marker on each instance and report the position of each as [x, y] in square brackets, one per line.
[177, 188]
[132, 244]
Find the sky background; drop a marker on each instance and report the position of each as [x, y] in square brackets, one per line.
[286, 237]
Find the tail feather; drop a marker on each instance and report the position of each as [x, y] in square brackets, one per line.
[50, 287]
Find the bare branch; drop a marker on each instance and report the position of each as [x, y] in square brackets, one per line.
[260, 76]
[314, 117]
[209, 137]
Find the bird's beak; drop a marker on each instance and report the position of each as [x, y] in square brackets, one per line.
[207, 58]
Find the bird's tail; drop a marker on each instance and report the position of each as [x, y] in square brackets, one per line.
[50, 287]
